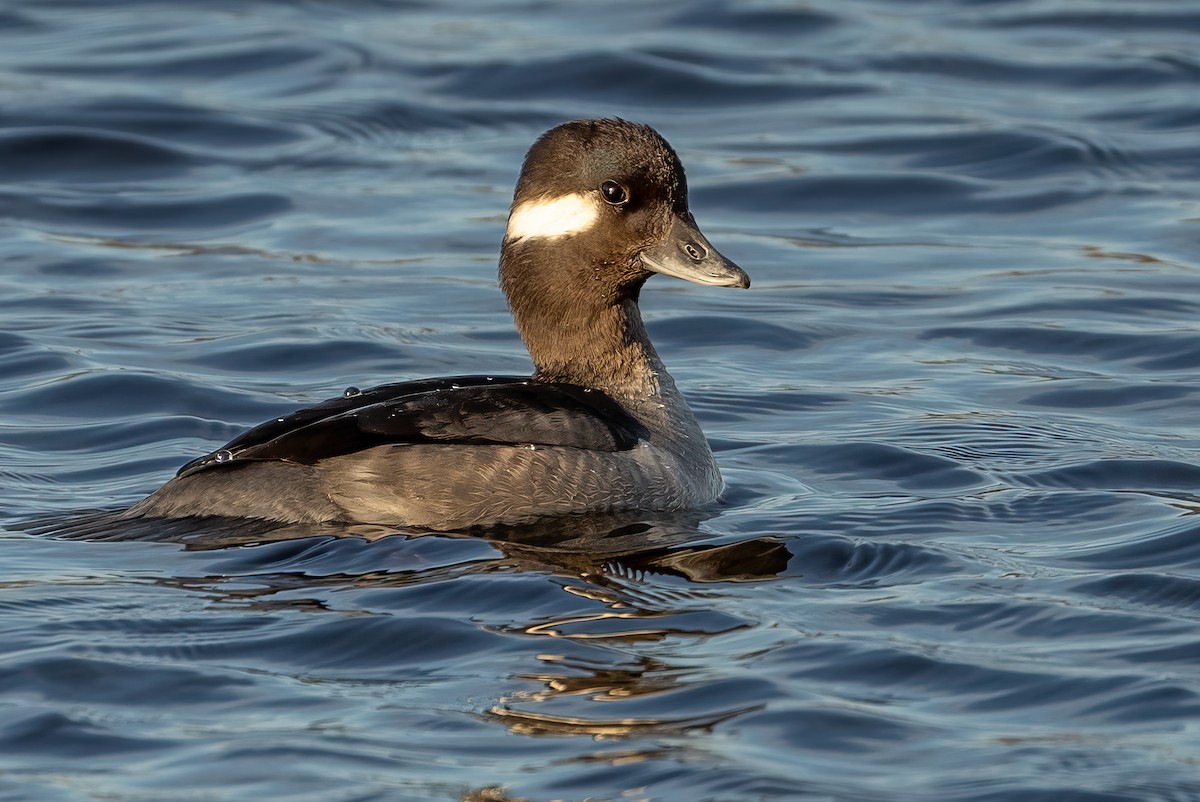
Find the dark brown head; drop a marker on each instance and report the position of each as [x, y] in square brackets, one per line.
[601, 205]
[609, 196]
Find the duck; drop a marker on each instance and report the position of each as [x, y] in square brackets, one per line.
[600, 206]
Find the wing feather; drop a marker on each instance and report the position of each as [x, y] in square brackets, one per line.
[466, 410]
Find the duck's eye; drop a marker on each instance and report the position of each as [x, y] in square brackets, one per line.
[614, 193]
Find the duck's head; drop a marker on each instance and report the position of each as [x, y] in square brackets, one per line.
[603, 204]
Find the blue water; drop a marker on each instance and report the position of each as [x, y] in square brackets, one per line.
[958, 413]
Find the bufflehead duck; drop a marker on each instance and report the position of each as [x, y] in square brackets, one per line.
[600, 206]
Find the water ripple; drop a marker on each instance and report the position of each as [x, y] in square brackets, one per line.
[632, 78]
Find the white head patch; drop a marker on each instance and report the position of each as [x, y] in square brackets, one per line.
[553, 217]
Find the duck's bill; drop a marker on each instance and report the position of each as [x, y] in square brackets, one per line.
[686, 254]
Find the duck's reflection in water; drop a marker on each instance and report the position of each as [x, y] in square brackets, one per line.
[592, 545]
[610, 562]
[641, 589]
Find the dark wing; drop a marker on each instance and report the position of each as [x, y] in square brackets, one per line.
[468, 410]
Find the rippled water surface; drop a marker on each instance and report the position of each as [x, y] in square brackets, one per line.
[957, 412]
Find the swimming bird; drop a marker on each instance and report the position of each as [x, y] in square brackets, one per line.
[600, 206]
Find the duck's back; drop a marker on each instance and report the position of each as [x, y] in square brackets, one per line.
[438, 453]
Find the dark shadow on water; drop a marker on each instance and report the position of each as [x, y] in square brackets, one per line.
[623, 545]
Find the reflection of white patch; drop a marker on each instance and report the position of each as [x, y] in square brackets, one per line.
[553, 217]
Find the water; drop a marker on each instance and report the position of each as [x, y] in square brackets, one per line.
[957, 412]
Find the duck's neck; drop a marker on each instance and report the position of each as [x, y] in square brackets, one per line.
[582, 330]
